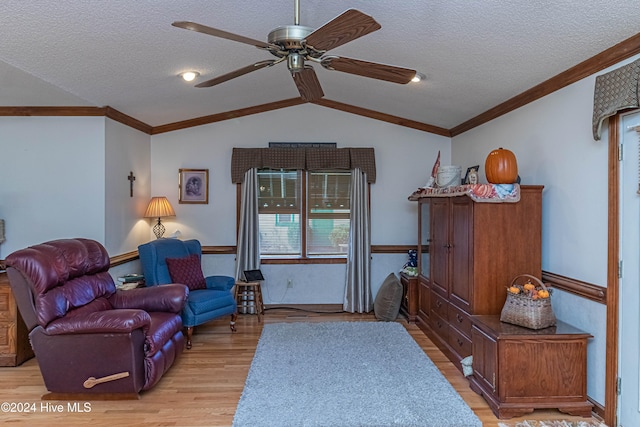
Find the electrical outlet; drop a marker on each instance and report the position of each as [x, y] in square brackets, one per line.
[289, 283]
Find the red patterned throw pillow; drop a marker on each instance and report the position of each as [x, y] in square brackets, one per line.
[187, 271]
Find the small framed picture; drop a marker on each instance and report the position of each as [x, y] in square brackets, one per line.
[471, 177]
[194, 186]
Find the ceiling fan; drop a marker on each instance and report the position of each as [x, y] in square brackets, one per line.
[297, 45]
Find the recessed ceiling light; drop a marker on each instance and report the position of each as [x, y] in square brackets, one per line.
[189, 75]
[418, 77]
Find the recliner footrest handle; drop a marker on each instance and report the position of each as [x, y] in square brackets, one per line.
[92, 381]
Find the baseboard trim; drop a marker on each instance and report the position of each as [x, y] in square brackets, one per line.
[598, 409]
[314, 308]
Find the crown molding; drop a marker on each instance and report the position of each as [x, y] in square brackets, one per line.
[71, 111]
[605, 59]
[199, 121]
[52, 111]
[116, 115]
[599, 62]
[376, 115]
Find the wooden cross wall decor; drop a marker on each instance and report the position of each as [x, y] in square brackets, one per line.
[131, 178]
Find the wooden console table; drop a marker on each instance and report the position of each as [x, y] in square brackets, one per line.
[14, 337]
[518, 370]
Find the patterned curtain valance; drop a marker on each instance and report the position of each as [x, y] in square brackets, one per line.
[311, 159]
[615, 91]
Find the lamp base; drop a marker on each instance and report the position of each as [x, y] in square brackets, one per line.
[158, 229]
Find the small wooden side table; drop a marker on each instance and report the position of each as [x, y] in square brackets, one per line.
[247, 292]
[518, 370]
[15, 347]
[409, 306]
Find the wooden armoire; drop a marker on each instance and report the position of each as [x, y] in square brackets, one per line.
[468, 254]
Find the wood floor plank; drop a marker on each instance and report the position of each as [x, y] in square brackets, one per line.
[204, 385]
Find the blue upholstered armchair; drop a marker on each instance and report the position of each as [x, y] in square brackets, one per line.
[209, 297]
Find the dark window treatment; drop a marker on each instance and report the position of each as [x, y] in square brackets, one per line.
[615, 91]
[311, 159]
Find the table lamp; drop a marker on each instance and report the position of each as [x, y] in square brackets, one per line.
[159, 207]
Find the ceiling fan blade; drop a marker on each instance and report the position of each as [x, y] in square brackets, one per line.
[308, 84]
[199, 28]
[342, 29]
[373, 70]
[237, 73]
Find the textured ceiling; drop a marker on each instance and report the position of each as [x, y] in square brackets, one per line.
[125, 53]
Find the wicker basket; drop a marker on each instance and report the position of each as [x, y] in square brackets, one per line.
[522, 310]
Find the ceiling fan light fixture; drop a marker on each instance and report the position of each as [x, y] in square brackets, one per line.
[295, 62]
[189, 76]
[418, 77]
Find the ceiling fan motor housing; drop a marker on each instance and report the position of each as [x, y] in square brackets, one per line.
[290, 37]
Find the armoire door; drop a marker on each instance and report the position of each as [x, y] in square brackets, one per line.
[461, 238]
[439, 246]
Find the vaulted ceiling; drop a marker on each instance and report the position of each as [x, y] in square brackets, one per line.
[126, 54]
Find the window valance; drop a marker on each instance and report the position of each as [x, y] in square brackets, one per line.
[311, 159]
[615, 91]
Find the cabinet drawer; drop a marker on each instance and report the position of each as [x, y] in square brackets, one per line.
[439, 325]
[460, 343]
[460, 320]
[439, 305]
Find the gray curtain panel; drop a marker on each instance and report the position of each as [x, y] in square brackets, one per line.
[357, 295]
[248, 252]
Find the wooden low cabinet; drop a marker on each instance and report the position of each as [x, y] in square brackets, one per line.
[518, 370]
[14, 337]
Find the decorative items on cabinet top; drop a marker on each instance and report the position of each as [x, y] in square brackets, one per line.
[501, 167]
[500, 193]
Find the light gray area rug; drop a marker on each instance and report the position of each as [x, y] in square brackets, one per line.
[344, 374]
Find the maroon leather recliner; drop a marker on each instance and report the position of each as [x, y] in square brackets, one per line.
[88, 337]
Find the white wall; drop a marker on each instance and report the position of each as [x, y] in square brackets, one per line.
[52, 179]
[126, 150]
[404, 158]
[554, 146]
[552, 141]
[64, 177]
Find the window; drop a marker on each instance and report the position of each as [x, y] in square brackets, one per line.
[303, 214]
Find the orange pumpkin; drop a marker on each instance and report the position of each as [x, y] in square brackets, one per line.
[501, 167]
[543, 294]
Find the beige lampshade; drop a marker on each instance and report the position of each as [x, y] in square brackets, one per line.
[159, 207]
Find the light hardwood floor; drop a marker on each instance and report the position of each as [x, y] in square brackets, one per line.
[204, 385]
